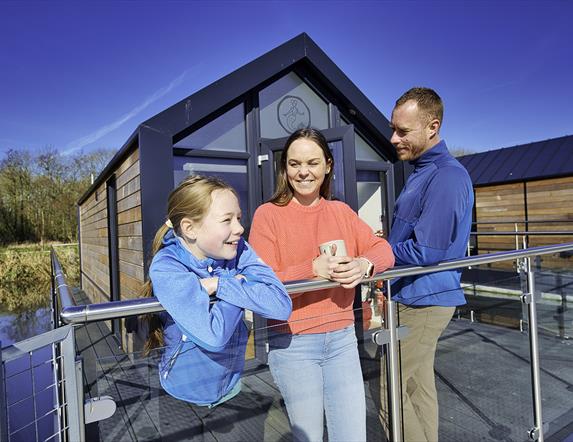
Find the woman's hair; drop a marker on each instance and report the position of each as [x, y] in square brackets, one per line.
[284, 193]
[190, 199]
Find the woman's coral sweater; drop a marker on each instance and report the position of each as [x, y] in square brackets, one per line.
[287, 239]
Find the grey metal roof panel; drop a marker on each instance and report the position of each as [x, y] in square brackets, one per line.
[479, 166]
[536, 167]
[482, 166]
[505, 166]
[527, 160]
[548, 158]
[497, 168]
[469, 162]
[566, 158]
[557, 159]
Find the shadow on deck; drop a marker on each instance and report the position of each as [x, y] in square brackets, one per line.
[482, 377]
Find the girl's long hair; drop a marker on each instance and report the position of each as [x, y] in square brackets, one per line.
[284, 193]
[190, 199]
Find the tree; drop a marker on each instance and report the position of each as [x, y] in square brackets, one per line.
[15, 192]
[39, 193]
[461, 151]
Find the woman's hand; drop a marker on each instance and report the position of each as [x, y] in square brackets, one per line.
[350, 271]
[321, 266]
[210, 284]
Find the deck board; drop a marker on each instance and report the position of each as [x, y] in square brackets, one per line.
[482, 377]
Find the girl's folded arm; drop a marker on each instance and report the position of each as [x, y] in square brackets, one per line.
[258, 289]
[181, 294]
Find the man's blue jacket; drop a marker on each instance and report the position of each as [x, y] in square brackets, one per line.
[432, 222]
[205, 342]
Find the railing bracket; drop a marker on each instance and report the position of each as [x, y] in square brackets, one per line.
[99, 408]
[534, 433]
[526, 298]
[382, 337]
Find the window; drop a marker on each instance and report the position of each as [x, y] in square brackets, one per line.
[364, 152]
[226, 133]
[371, 187]
[233, 172]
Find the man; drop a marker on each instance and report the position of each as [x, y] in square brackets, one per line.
[431, 223]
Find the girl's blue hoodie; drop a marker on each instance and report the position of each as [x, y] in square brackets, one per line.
[205, 342]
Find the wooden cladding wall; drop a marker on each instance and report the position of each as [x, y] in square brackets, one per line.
[130, 242]
[543, 200]
[551, 200]
[505, 202]
[94, 235]
[94, 246]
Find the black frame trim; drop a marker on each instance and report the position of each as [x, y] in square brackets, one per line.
[300, 54]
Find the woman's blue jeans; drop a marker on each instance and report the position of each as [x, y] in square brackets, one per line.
[320, 374]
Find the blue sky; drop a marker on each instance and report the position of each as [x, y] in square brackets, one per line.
[79, 75]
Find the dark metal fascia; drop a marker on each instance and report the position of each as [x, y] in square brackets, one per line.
[239, 82]
[156, 182]
[208, 100]
[336, 79]
[121, 154]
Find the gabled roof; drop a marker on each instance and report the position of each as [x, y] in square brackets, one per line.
[300, 50]
[541, 159]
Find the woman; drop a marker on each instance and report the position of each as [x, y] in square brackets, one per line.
[313, 356]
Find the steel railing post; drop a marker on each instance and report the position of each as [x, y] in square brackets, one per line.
[53, 292]
[3, 405]
[71, 386]
[536, 433]
[516, 237]
[79, 364]
[394, 369]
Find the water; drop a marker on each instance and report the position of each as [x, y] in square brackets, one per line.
[29, 377]
[17, 327]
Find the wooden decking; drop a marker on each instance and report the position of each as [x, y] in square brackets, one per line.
[482, 377]
[146, 413]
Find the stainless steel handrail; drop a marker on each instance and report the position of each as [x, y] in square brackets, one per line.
[82, 314]
[97, 312]
[526, 233]
[61, 287]
[544, 221]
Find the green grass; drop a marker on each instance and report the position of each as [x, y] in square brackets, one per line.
[25, 275]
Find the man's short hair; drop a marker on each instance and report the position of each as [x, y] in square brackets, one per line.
[429, 102]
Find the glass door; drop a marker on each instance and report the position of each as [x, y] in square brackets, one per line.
[341, 143]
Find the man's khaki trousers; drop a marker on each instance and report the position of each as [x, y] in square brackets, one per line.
[417, 351]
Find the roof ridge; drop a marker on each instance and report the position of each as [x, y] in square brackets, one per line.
[518, 145]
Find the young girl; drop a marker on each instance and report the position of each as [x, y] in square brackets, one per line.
[200, 257]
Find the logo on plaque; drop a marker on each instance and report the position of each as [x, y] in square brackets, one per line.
[293, 113]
